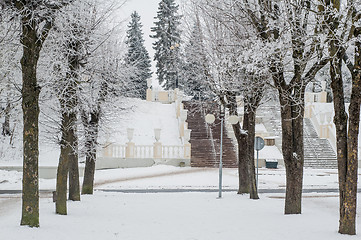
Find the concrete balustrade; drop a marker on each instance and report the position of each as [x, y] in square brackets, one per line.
[133, 155]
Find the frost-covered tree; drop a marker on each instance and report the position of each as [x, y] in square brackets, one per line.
[341, 24]
[167, 51]
[85, 61]
[10, 51]
[66, 53]
[138, 56]
[289, 29]
[228, 77]
[196, 64]
[36, 20]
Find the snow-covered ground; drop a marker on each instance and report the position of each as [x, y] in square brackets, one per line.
[109, 215]
[160, 176]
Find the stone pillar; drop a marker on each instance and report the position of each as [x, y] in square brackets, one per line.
[157, 150]
[149, 95]
[187, 145]
[323, 97]
[130, 147]
[308, 111]
[107, 150]
[179, 108]
[130, 150]
[187, 150]
[181, 129]
[183, 118]
[325, 130]
[157, 147]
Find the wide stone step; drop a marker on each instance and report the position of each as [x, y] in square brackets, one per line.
[205, 151]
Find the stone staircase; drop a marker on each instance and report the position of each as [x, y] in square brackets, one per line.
[318, 152]
[205, 139]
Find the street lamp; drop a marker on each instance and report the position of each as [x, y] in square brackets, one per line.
[210, 118]
[174, 48]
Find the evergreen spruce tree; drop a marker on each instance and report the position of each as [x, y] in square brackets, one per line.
[138, 56]
[195, 69]
[167, 45]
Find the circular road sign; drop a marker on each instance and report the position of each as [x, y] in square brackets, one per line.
[258, 143]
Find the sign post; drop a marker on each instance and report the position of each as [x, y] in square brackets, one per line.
[258, 145]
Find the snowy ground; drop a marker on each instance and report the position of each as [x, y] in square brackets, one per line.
[108, 215]
[158, 177]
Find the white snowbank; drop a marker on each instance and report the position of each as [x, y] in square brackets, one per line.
[144, 117]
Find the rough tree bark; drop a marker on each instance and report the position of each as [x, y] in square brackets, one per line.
[74, 185]
[347, 130]
[349, 201]
[68, 144]
[6, 125]
[243, 170]
[74, 65]
[292, 148]
[249, 125]
[30, 105]
[347, 126]
[34, 31]
[246, 166]
[63, 167]
[91, 124]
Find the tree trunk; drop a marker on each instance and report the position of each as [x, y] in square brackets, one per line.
[74, 186]
[347, 144]
[243, 170]
[62, 173]
[30, 106]
[74, 65]
[6, 125]
[340, 120]
[250, 115]
[292, 148]
[90, 146]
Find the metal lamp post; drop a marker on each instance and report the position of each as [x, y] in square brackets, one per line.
[210, 118]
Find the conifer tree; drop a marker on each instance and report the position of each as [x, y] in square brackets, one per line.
[138, 56]
[195, 77]
[167, 45]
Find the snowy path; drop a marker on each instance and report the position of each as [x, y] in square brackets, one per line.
[8, 203]
[148, 176]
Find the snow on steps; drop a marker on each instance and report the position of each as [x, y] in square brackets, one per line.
[318, 152]
[205, 139]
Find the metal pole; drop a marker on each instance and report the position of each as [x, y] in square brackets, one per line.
[257, 172]
[220, 157]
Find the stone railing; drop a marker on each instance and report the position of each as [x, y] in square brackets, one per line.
[131, 151]
[163, 96]
[131, 155]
